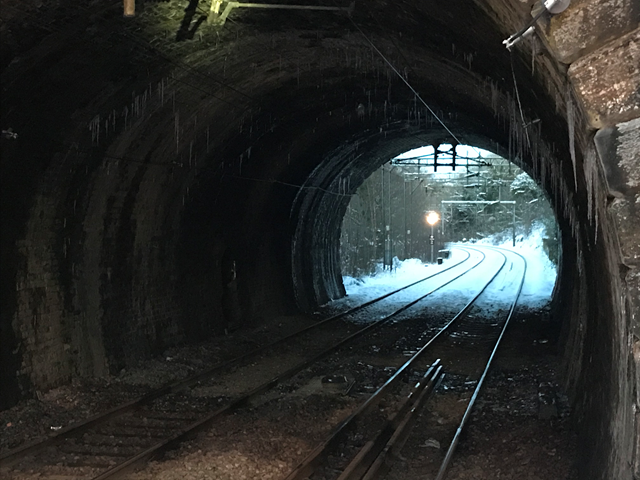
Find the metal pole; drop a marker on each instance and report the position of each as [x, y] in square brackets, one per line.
[431, 239]
[390, 223]
[404, 210]
[384, 221]
[411, 209]
[514, 224]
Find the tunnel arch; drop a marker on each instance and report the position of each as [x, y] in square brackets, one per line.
[322, 201]
[141, 160]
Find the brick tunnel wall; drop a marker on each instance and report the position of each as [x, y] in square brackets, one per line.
[137, 178]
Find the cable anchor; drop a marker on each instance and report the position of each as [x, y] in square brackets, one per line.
[554, 7]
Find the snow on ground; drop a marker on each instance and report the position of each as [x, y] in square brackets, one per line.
[536, 292]
[541, 272]
[403, 273]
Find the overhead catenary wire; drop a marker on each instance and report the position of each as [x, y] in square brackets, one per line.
[399, 50]
[189, 69]
[199, 169]
[406, 82]
[287, 184]
[517, 92]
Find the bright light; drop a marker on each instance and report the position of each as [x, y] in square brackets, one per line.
[433, 218]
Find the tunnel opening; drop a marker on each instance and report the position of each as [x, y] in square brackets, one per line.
[378, 206]
[474, 195]
[528, 359]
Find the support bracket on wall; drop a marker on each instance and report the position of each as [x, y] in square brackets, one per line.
[554, 7]
[217, 18]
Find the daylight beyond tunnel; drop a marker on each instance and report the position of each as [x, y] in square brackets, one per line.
[471, 194]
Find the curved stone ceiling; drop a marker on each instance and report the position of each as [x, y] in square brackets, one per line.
[154, 150]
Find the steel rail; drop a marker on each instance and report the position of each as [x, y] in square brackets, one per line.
[454, 443]
[310, 462]
[243, 399]
[12, 456]
[372, 462]
[396, 442]
[395, 431]
[381, 465]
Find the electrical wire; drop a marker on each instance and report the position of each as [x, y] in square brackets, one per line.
[127, 160]
[400, 51]
[406, 82]
[517, 92]
[299, 187]
[189, 69]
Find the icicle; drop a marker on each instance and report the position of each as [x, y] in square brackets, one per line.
[596, 233]
[177, 131]
[494, 97]
[534, 52]
[94, 126]
[572, 147]
[469, 59]
[588, 180]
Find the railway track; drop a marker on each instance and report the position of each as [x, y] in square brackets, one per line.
[369, 455]
[111, 444]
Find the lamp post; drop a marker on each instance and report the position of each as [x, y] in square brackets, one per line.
[432, 218]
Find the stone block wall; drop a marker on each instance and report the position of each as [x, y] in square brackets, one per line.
[600, 40]
[597, 44]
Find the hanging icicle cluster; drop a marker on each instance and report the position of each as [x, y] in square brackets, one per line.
[94, 126]
[592, 180]
[571, 125]
[120, 121]
[525, 141]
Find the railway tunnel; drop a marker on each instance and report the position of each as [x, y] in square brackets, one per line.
[149, 162]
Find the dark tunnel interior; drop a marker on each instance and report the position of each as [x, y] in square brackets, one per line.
[160, 157]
